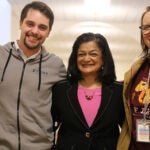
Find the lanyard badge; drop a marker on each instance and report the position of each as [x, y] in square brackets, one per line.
[143, 130]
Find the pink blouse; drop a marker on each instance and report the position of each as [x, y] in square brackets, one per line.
[89, 107]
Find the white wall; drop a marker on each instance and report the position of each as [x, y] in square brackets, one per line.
[5, 23]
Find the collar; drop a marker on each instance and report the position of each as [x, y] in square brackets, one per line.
[24, 57]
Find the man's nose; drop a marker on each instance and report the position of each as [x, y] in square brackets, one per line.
[35, 30]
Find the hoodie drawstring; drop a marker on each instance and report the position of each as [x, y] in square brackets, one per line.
[8, 59]
[40, 63]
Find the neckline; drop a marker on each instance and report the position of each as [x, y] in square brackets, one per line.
[90, 93]
[90, 89]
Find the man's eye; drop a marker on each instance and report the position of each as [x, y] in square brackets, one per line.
[43, 27]
[29, 24]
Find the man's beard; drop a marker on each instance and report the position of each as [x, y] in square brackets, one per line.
[31, 47]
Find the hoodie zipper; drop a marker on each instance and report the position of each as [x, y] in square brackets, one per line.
[18, 106]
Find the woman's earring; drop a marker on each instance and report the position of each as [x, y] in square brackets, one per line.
[102, 67]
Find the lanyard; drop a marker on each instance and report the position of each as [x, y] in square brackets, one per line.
[147, 97]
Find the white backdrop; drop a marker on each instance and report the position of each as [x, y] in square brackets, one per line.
[5, 21]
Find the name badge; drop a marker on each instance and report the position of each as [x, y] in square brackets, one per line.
[143, 130]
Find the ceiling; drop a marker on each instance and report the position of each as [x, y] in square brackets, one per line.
[118, 22]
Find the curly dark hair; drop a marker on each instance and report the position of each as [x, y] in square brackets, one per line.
[40, 6]
[106, 75]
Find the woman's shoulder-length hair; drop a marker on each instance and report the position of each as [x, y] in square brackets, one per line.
[107, 73]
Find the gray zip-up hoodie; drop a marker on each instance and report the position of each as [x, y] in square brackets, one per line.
[25, 98]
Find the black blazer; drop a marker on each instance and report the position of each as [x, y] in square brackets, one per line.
[74, 133]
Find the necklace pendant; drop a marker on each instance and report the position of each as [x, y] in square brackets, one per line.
[89, 97]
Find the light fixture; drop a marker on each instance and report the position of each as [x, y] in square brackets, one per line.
[97, 5]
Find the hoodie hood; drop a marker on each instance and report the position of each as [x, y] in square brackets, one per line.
[11, 45]
[12, 50]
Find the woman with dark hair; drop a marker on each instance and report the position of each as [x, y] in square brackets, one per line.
[135, 133]
[88, 105]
